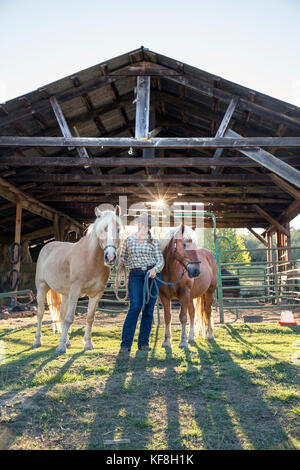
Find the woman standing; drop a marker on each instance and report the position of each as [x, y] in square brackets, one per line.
[142, 254]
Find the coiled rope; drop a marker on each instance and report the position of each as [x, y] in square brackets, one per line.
[147, 290]
[121, 283]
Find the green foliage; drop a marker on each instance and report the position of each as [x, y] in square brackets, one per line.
[295, 241]
[237, 243]
[253, 243]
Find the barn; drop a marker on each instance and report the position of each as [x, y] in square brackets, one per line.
[144, 126]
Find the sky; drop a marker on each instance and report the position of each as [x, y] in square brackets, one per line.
[253, 43]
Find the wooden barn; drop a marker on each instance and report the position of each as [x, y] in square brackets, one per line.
[145, 126]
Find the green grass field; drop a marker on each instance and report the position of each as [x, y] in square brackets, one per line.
[240, 392]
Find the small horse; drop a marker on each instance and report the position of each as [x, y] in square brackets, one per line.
[65, 271]
[199, 281]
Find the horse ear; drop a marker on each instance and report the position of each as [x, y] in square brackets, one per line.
[98, 213]
[118, 210]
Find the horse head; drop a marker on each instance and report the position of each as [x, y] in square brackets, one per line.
[105, 231]
[185, 250]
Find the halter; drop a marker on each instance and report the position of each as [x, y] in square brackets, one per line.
[183, 258]
[110, 246]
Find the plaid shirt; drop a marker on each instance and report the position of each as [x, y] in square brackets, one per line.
[142, 254]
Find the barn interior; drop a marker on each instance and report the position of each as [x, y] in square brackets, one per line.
[148, 127]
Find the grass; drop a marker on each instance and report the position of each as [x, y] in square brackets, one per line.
[239, 392]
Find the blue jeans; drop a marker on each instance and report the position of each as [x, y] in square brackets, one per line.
[135, 289]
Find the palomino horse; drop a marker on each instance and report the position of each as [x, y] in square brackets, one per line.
[199, 282]
[65, 271]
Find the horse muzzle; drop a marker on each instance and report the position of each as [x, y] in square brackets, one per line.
[110, 255]
[193, 270]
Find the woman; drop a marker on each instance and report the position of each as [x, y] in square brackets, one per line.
[142, 254]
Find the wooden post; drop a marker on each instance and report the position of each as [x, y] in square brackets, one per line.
[18, 226]
[56, 228]
[142, 106]
[269, 263]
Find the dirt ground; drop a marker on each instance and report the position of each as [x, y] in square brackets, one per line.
[106, 320]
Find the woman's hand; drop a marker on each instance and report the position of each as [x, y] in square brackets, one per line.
[152, 273]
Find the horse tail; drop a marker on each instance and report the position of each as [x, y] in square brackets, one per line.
[54, 300]
[198, 321]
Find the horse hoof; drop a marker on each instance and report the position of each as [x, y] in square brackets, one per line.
[210, 338]
[184, 345]
[37, 344]
[166, 344]
[68, 344]
[61, 350]
[88, 347]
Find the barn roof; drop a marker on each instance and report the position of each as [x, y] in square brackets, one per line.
[185, 102]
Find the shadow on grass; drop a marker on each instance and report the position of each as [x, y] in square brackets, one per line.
[220, 396]
[241, 413]
[23, 419]
[204, 385]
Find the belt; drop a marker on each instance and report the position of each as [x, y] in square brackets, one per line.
[141, 269]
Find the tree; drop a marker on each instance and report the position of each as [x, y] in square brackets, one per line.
[237, 243]
[253, 244]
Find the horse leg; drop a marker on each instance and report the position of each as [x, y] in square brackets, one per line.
[41, 299]
[63, 312]
[184, 301]
[167, 342]
[87, 339]
[208, 298]
[69, 318]
[191, 310]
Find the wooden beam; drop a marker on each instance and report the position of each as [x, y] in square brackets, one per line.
[169, 189]
[225, 123]
[40, 233]
[82, 152]
[244, 104]
[58, 197]
[61, 97]
[270, 162]
[184, 161]
[12, 193]
[155, 142]
[259, 237]
[286, 186]
[286, 216]
[116, 179]
[269, 218]
[170, 74]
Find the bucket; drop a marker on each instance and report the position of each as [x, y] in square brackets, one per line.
[287, 318]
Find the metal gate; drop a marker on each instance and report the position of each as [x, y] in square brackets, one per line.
[270, 284]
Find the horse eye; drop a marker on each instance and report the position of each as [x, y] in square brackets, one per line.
[184, 246]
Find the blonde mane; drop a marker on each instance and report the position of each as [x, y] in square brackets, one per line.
[96, 229]
[188, 234]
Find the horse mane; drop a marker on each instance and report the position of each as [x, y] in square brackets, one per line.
[95, 229]
[188, 234]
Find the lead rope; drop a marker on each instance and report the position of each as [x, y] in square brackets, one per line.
[147, 290]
